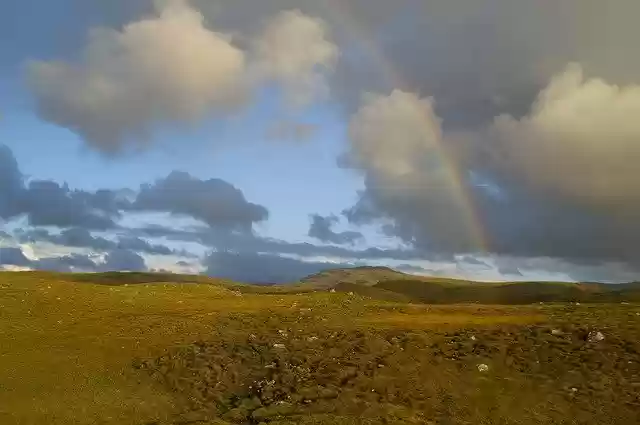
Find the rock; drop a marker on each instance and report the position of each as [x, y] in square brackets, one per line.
[556, 332]
[483, 367]
[312, 338]
[595, 336]
[473, 338]
[351, 294]
[332, 290]
[279, 346]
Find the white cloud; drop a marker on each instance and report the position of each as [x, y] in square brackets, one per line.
[172, 68]
[580, 142]
[398, 144]
[295, 51]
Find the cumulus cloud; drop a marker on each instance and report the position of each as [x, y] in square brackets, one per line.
[295, 51]
[580, 142]
[171, 68]
[164, 68]
[321, 229]
[564, 173]
[214, 201]
[396, 141]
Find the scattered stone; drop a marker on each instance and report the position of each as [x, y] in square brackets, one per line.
[312, 338]
[473, 338]
[595, 336]
[332, 290]
[351, 294]
[279, 346]
[282, 333]
[483, 367]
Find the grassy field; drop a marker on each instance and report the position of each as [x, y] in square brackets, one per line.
[73, 351]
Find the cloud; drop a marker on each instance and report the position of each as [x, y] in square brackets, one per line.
[170, 68]
[250, 243]
[11, 184]
[295, 51]
[67, 263]
[47, 203]
[214, 202]
[261, 268]
[123, 260]
[321, 229]
[396, 141]
[14, 257]
[164, 68]
[579, 143]
[140, 245]
[82, 238]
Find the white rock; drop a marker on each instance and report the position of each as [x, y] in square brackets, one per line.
[556, 332]
[312, 338]
[473, 338]
[332, 290]
[595, 336]
[483, 367]
[279, 346]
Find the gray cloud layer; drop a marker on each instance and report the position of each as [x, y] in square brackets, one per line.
[321, 229]
[215, 202]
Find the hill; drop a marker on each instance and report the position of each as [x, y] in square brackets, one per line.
[384, 283]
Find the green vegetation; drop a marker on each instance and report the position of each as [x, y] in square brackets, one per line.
[97, 349]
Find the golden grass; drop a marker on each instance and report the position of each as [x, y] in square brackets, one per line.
[66, 348]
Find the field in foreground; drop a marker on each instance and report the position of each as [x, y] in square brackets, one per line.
[165, 353]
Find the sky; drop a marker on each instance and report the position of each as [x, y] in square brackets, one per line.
[267, 140]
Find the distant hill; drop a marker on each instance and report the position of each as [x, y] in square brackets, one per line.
[383, 283]
[387, 284]
[363, 276]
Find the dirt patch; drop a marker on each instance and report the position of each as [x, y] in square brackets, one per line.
[504, 375]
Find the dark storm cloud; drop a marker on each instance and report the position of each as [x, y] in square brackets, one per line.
[13, 257]
[140, 245]
[262, 268]
[65, 263]
[123, 260]
[214, 201]
[82, 238]
[47, 203]
[321, 229]
[250, 243]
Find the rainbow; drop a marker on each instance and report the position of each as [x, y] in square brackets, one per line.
[341, 13]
